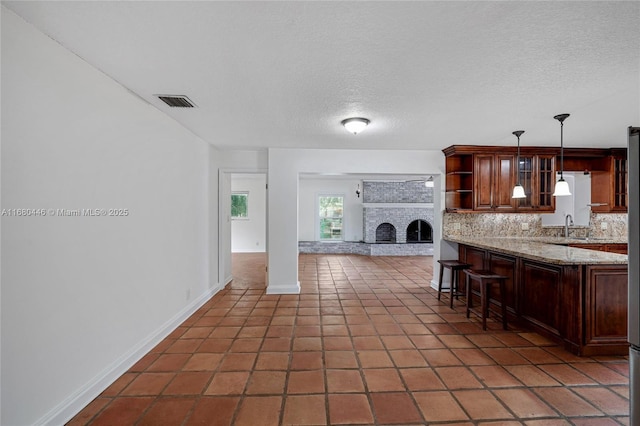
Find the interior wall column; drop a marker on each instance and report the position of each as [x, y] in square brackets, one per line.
[282, 226]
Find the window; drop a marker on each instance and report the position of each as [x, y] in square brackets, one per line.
[240, 205]
[331, 220]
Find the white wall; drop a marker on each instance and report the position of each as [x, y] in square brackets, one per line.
[311, 188]
[249, 234]
[84, 297]
[285, 166]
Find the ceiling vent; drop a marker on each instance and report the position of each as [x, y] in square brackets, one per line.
[176, 101]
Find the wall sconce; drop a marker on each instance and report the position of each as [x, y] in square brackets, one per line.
[562, 186]
[358, 191]
[355, 124]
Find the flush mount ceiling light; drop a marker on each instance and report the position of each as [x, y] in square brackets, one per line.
[562, 186]
[355, 124]
[518, 190]
[429, 182]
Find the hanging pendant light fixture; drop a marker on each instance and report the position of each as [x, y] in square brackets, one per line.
[518, 190]
[562, 186]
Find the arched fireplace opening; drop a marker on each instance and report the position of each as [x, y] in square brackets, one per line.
[385, 233]
[419, 231]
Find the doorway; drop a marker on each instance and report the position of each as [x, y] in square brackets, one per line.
[242, 221]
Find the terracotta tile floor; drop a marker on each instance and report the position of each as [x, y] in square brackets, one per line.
[366, 342]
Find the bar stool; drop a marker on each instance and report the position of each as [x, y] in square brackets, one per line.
[454, 266]
[486, 279]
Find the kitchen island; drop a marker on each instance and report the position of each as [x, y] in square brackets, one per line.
[575, 296]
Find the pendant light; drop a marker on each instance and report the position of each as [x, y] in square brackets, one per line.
[518, 190]
[562, 186]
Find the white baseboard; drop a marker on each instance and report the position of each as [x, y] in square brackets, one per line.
[284, 288]
[445, 285]
[75, 402]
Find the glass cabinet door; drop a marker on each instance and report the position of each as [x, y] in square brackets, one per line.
[620, 184]
[536, 174]
[525, 177]
[546, 183]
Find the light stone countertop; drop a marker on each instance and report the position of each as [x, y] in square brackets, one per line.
[548, 250]
[573, 240]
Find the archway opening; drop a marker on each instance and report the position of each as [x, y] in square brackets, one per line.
[385, 233]
[419, 231]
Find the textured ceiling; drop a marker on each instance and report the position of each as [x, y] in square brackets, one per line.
[427, 74]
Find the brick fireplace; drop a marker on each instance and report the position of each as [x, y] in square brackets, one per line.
[398, 220]
[397, 224]
[398, 214]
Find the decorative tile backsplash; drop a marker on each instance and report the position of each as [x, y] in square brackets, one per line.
[609, 225]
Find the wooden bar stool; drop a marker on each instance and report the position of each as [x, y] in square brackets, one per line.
[486, 279]
[454, 266]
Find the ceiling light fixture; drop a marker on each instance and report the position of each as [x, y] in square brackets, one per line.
[355, 124]
[562, 186]
[429, 182]
[518, 190]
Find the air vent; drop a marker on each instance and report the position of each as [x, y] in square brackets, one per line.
[176, 101]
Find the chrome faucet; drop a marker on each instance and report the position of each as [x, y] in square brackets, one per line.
[568, 221]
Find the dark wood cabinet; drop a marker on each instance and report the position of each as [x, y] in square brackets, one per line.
[583, 307]
[473, 256]
[493, 182]
[481, 178]
[620, 248]
[588, 246]
[506, 265]
[620, 185]
[606, 308]
[610, 185]
[617, 248]
[459, 182]
[536, 173]
[540, 294]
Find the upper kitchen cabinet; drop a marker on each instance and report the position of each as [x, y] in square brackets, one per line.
[480, 180]
[536, 173]
[494, 178]
[610, 186]
[459, 182]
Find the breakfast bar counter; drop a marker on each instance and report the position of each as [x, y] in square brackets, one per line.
[557, 251]
[575, 296]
